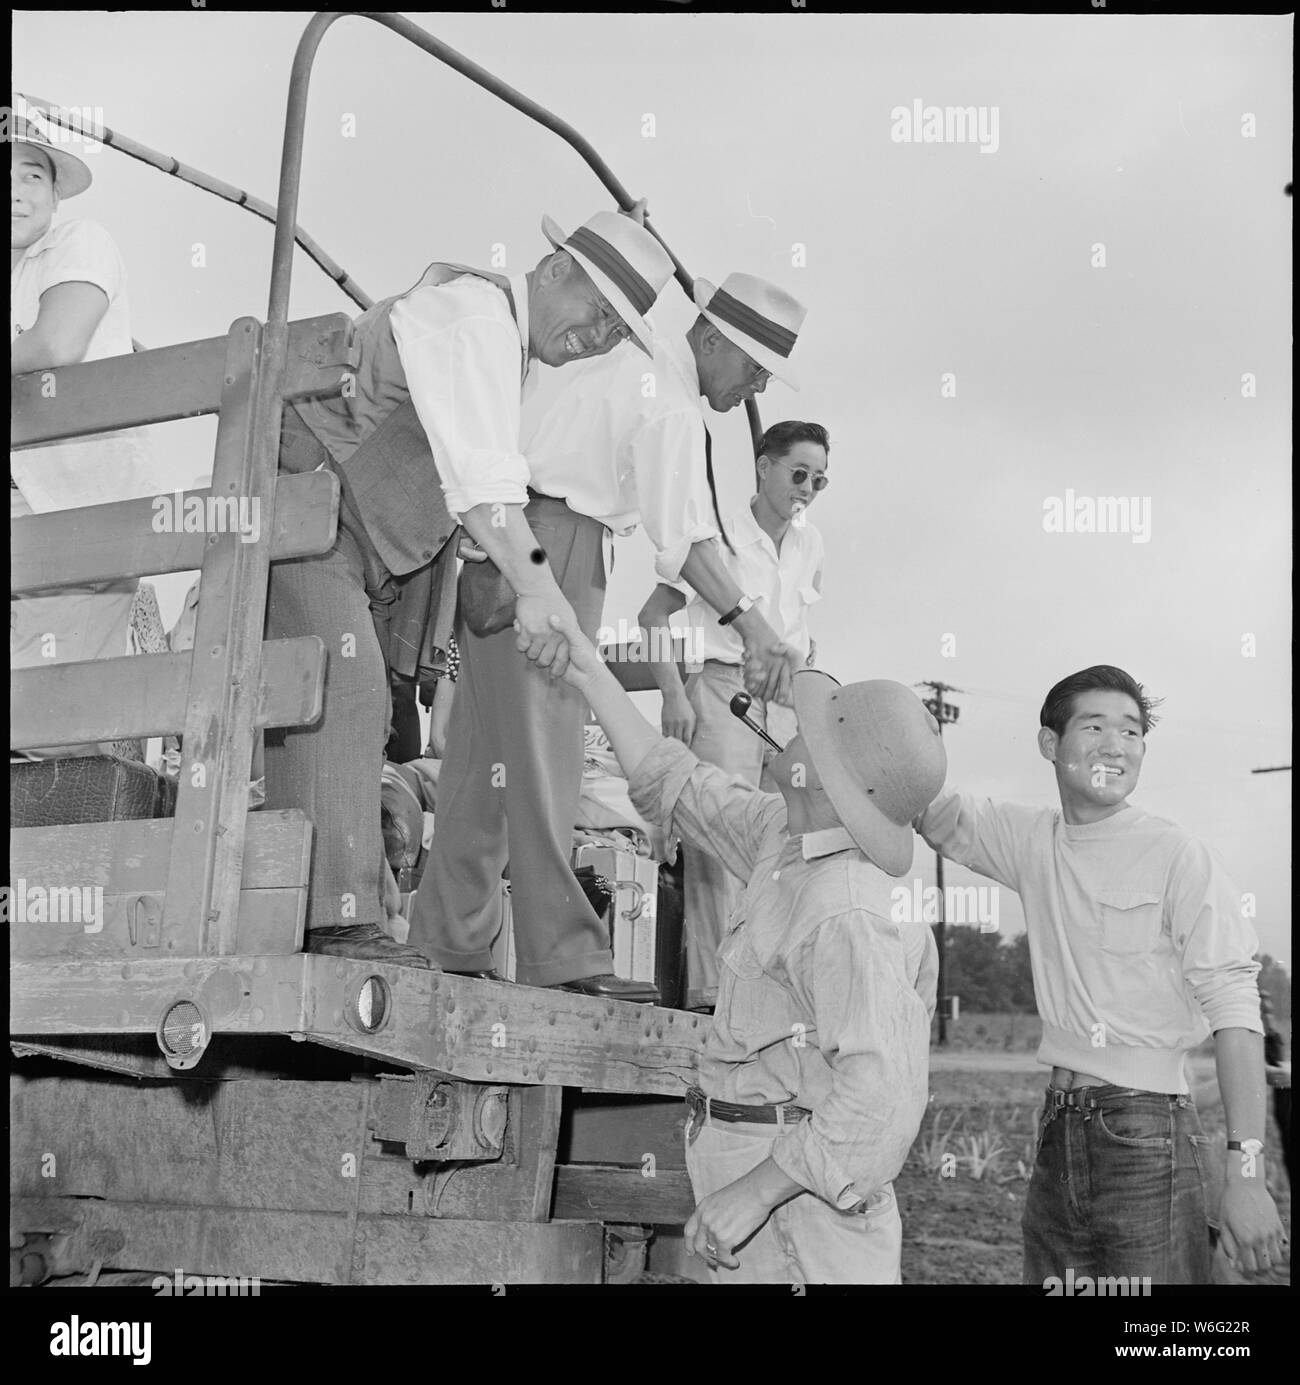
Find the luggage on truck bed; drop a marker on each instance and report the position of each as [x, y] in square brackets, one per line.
[86, 788]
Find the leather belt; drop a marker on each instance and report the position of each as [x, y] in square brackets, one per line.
[1076, 1099]
[780, 1114]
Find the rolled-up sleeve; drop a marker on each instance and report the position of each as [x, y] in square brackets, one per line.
[671, 488]
[1216, 943]
[874, 1032]
[462, 366]
[705, 806]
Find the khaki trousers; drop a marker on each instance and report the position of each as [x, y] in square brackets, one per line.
[805, 1240]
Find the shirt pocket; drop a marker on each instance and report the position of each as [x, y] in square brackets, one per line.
[737, 954]
[1130, 921]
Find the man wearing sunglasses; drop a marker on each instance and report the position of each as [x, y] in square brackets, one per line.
[777, 563]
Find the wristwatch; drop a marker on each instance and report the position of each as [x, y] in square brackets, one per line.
[1252, 1147]
[746, 603]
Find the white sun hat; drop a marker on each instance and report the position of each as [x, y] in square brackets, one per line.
[625, 262]
[758, 317]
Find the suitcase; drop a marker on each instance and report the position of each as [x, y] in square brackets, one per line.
[86, 788]
[636, 905]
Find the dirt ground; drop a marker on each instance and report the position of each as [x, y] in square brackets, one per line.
[959, 1228]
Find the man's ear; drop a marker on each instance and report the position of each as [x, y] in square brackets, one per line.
[554, 267]
[1047, 743]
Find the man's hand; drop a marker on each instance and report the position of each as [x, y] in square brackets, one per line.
[1250, 1229]
[769, 666]
[637, 211]
[678, 717]
[542, 641]
[582, 663]
[725, 1220]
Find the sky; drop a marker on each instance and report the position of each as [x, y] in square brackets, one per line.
[1095, 304]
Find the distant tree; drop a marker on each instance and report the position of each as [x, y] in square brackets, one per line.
[1275, 980]
[974, 970]
[990, 976]
[1020, 976]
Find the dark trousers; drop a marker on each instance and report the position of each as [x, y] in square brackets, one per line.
[1118, 1190]
[509, 790]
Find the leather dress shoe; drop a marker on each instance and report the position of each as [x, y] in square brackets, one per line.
[492, 974]
[610, 987]
[364, 942]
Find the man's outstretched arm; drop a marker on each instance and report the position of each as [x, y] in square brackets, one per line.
[704, 805]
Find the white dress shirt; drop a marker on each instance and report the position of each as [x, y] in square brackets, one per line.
[624, 443]
[461, 351]
[99, 467]
[782, 586]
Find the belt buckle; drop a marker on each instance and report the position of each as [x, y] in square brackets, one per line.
[1060, 1100]
[696, 1110]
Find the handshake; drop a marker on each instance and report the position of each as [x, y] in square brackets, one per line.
[565, 652]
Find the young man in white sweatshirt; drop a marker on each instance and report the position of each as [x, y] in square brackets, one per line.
[1139, 951]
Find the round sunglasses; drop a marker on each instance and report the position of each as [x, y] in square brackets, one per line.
[799, 474]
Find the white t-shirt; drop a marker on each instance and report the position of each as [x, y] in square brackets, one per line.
[99, 467]
[783, 586]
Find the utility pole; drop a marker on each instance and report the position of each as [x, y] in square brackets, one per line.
[944, 713]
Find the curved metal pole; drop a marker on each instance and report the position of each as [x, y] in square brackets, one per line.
[295, 124]
[196, 177]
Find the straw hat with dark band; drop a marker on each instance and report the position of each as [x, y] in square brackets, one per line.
[758, 317]
[625, 262]
[71, 176]
[878, 754]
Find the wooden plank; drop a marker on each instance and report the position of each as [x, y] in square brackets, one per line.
[120, 392]
[252, 995]
[99, 543]
[130, 857]
[224, 695]
[271, 922]
[615, 1130]
[314, 1247]
[487, 1031]
[609, 1194]
[289, 1145]
[481, 1031]
[539, 1129]
[173, 382]
[146, 695]
[247, 1142]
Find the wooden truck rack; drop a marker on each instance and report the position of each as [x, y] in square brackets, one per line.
[194, 1091]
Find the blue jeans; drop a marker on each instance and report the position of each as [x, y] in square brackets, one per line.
[1118, 1190]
